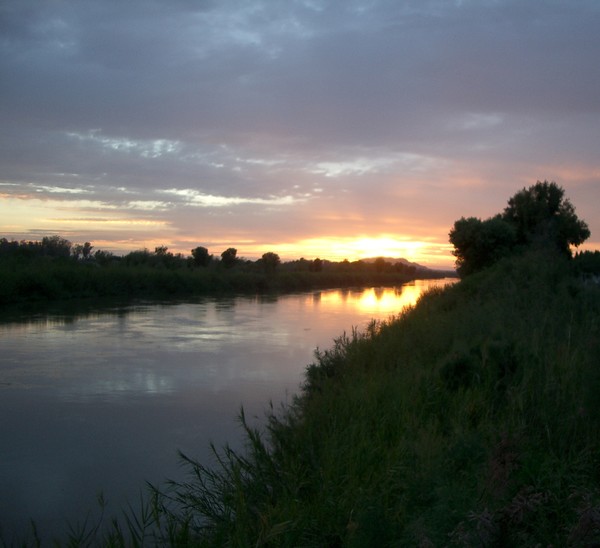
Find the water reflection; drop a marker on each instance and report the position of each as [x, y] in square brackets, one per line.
[102, 401]
[379, 301]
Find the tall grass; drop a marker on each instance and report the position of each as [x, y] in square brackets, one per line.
[43, 280]
[471, 419]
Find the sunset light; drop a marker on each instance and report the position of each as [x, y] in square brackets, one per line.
[381, 300]
[354, 249]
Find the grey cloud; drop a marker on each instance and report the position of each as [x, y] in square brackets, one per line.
[156, 71]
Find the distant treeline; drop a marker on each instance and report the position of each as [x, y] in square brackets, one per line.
[54, 268]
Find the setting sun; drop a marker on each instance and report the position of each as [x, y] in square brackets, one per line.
[353, 249]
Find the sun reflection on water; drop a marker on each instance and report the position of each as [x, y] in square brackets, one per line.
[378, 300]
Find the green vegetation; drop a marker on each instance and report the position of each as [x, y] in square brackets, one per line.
[55, 269]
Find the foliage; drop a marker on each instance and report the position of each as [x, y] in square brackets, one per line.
[83, 251]
[270, 262]
[229, 257]
[539, 216]
[588, 263]
[201, 256]
[542, 215]
[316, 265]
[55, 246]
[479, 244]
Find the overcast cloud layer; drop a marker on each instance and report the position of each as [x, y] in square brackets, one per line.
[262, 124]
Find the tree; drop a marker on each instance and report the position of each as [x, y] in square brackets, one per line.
[380, 264]
[478, 244]
[542, 216]
[538, 216]
[316, 265]
[87, 250]
[7, 248]
[82, 250]
[55, 246]
[104, 257]
[229, 257]
[270, 262]
[201, 257]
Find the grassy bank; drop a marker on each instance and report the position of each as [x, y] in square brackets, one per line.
[470, 420]
[43, 280]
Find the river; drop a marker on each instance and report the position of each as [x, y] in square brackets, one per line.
[101, 400]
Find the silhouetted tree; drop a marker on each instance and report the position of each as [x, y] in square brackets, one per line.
[478, 244]
[104, 257]
[55, 246]
[137, 258]
[82, 250]
[542, 216]
[379, 264]
[588, 262]
[76, 251]
[539, 216]
[8, 248]
[270, 262]
[86, 252]
[201, 256]
[229, 257]
[316, 265]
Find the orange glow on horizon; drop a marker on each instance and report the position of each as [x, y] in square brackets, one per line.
[120, 231]
[425, 252]
[428, 253]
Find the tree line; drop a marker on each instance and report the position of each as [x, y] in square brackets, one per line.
[57, 248]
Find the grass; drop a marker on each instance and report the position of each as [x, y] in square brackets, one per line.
[471, 419]
[39, 280]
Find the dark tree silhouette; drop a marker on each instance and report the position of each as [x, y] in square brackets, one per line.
[201, 256]
[83, 251]
[316, 265]
[86, 251]
[538, 216]
[55, 246]
[478, 244]
[542, 216]
[380, 264]
[229, 257]
[270, 262]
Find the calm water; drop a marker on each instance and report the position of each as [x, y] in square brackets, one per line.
[102, 401]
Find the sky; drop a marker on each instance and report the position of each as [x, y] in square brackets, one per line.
[309, 128]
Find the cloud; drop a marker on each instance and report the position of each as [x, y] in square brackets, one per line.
[197, 199]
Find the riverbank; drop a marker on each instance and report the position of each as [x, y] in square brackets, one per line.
[46, 281]
[470, 420]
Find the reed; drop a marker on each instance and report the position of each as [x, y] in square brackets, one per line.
[41, 280]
